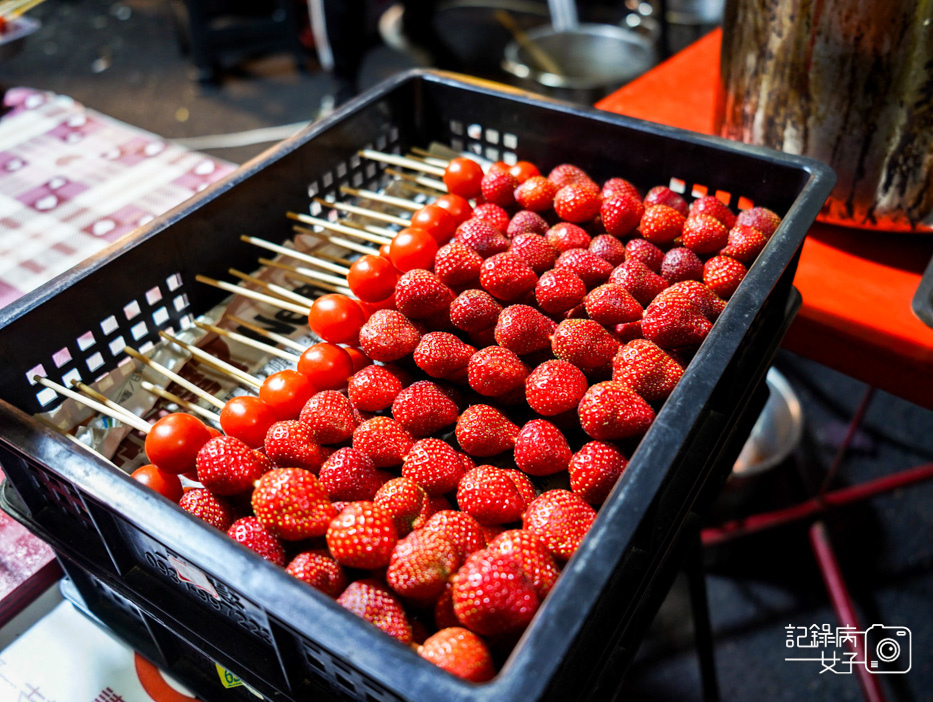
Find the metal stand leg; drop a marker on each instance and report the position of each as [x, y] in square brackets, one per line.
[702, 628]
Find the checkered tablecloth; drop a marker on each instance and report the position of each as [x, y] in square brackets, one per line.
[73, 180]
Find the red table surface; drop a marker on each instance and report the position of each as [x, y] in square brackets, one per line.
[857, 285]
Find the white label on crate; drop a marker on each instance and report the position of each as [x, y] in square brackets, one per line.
[187, 573]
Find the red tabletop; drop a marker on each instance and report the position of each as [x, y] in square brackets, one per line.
[856, 285]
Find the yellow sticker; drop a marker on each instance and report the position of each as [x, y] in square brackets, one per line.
[229, 680]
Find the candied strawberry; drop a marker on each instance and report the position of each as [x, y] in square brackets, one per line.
[533, 555]
[567, 173]
[647, 369]
[619, 186]
[704, 234]
[499, 188]
[207, 507]
[507, 277]
[608, 248]
[227, 466]
[421, 564]
[425, 408]
[584, 343]
[661, 224]
[642, 282]
[329, 416]
[594, 470]
[492, 595]
[577, 202]
[474, 311]
[663, 195]
[434, 465]
[714, 207]
[484, 431]
[723, 274]
[481, 236]
[590, 268]
[250, 532]
[559, 290]
[560, 519]
[460, 529]
[440, 354]
[384, 440]
[362, 536]
[373, 388]
[612, 410]
[555, 387]
[699, 295]
[646, 252]
[761, 218]
[541, 449]
[420, 294]
[375, 603]
[291, 444]
[490, 495]
[406, 502]
[621, 214]
[564, 236]
[681, 264]
[292, 504]
[536, 194]
[611, 304]
[456, 265]
[388, 335]
[460, 652]
[349, 475]
[318, 569]
[744, 243]
[526, 222]
[495, 370]
[522, 329]
[535, 251]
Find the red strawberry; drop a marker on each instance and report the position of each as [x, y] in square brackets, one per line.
[474, 311]
[250, 532]
[619, 186]
[674, 321]
[291, 503]
[384, 440]
[704, 234]
[425, 408]
[565, 236]
[525, 488]
[319, 570]
[495, 371]
[388, 336]
[507, 277]
[594, 470]
[522, 329]
[457, 265]
[699, 295]
[362, 536]
[526, 222]
[532, 554]
[663, 195]
[291, 444]
[555, 387]
[567, 173]
[375, 603]
[460, 529]
[608, 248]
[481, 236]
[406, 502]
[329, 415]
[434, 465]
[484, 431]
[494, 214]
[744, 243]
[535, 251]
[722, 275]
[541, 449]
[661, 224]
[627, 331]
[460, 652]
[499, 188]
[681, 264]
[444, 617]
[373, 388]
[591, 269]
[577, 202]
[420, 294]
[490, 496]
[714, 207]
[621, 214]
[536, 194]
[421, 564]
[559, 290]
[207, 507]
[227, 466]
[584, 343]
[642, 282]
[560, 519]
[349, 475]
[612, 410]
[441, 355]
[761, 218]
[492, 595]
[646, 252]
[611, 304]
[647, 369]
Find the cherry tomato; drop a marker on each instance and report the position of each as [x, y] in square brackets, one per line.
[337, 319]
[436, 221]
[166, 484]
[463, 177]
[370, 307]
[458, 206]
[247, 418]
[327, 366]
[174, 441]
[360, 359]
[286, 392]
[384, 251]
[412, 248]
[498, 166]
[523, 170]
[372, 278]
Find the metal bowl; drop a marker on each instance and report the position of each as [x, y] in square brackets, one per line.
[776, 433]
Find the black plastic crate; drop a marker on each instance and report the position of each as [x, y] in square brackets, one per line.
[282, 637]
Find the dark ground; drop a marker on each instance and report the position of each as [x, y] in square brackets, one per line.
[123, 59]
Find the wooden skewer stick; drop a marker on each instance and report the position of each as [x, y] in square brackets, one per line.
[137, 423]
[429, 183]
[104, 400]
[365, 212]
[428, 157]
[318, 260]
[399, 202]
[243, 339]
[228, 369]
[171, 375]
[278, 338]
[180, 401]
[341, 228]
[402, 162]
[336, 240]
[73, 439]
[333, 259]
[17, 8]
[246, 292]
[278, 290]
[306, 275]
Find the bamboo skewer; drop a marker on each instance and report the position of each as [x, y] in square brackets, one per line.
[104, 400]
[319, 260]
[342, 262]
[123, 417]
[306, 275]
[341, 228]
[180, 401]
[336, 241]
[399, 202]
[246, 292]
[278, 338]
[372, 214]
[171, 375]
[429, 183]
[243, 339]
[402, 161]
[16, 8]
[277, 290]
[429, 158]
[228, 369]
[73, 439]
